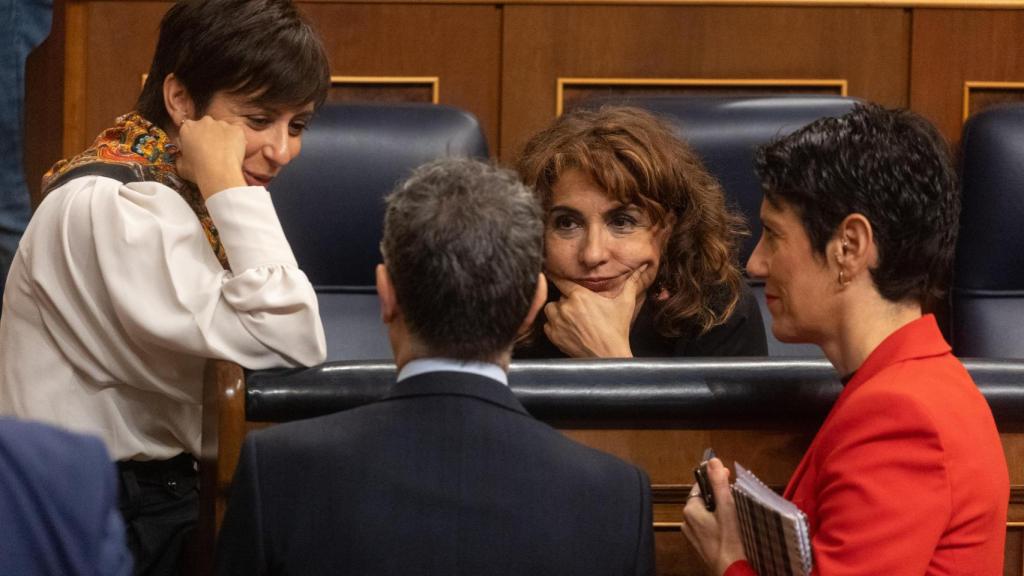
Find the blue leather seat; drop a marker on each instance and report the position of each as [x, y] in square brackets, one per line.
[988, 278]
[330, 202]
[725, 131]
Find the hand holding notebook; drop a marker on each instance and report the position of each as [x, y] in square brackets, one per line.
[776, 537]
[715, 535]
[750, 522]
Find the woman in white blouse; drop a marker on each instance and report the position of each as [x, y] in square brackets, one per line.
[158, 248]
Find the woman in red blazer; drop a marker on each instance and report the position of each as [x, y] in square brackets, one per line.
[907, 474]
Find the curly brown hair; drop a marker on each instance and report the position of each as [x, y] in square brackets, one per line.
[637, 159]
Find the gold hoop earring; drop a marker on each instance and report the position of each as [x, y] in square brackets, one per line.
[843, 280]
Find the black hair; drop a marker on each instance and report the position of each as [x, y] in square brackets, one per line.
[893, 167]
[263, 48]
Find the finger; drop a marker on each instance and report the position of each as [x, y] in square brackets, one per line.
[566, 287]
[692, 508]
[551, 313]
[718, 474]
[688, 530]
[691, 537]
[636, 283]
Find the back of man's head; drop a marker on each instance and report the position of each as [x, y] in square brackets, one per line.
[463, 245]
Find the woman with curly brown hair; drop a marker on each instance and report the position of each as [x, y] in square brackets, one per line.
[640, 249]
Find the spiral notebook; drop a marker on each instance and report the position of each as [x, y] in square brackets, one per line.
[775, 533]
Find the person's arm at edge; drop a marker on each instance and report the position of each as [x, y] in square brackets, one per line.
[113, 557]
[716, 535]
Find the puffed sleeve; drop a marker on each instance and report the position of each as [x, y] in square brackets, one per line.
[168, 290]
[883, 491]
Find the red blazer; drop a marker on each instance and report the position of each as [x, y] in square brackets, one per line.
[907, 474]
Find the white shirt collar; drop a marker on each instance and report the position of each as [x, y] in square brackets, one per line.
[424, 365]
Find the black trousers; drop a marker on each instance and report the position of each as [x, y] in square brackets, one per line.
[160, 503]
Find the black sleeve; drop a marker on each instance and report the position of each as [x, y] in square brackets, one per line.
[742, 334]
[240, 547]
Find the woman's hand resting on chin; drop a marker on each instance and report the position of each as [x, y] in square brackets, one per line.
[212, 152]
[584, 324]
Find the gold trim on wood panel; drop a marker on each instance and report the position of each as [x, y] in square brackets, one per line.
[434, 82]
[562, 83]
[972, 84]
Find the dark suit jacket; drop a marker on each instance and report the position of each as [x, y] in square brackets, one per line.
[58, 504]
[447, 475]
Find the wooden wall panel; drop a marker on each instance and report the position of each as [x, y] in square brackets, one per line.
[117, 40]
[504, 69]
[867, 47]
[361, 39]
[1014, 564]
[951, 47]
[459, 44]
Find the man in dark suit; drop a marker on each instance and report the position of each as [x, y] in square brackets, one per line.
[58, 504]
[448, 474]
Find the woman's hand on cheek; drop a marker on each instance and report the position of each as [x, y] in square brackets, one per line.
[715, 535]
[212, 152]
[587, 325]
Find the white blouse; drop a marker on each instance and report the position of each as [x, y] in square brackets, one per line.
[115, 301]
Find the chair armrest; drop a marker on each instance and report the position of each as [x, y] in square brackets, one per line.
[224, 428]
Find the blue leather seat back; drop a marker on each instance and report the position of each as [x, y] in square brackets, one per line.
[330, 202]
[988, 280]
[725, 131]
[330, 198]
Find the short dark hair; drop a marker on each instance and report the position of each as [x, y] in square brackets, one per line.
[893, 167]
[463, 244]
[263, 48]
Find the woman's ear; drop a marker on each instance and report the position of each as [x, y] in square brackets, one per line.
[177, 100]
[854, 245]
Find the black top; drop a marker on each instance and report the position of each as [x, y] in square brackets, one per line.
[742, 334]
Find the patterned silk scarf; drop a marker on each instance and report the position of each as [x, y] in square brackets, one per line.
[135, 150]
